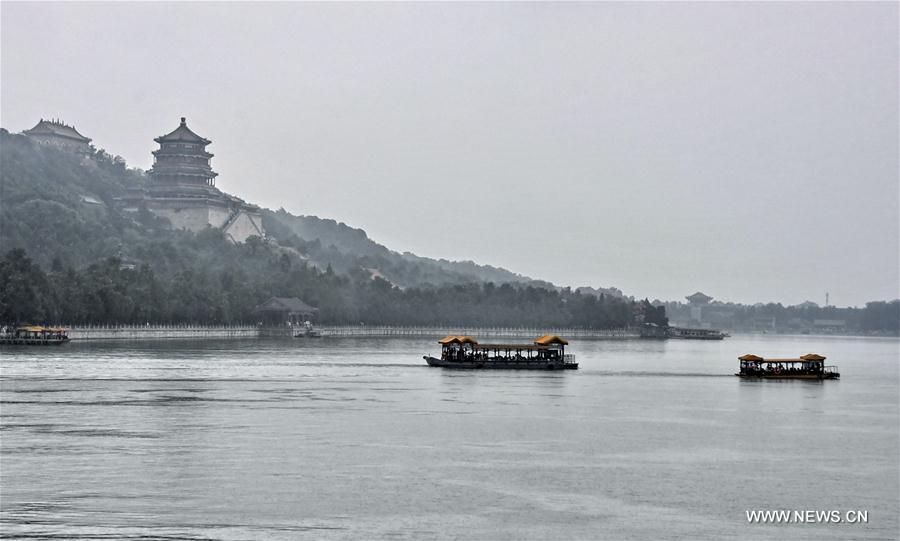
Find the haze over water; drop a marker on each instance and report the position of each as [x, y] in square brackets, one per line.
[357, 438]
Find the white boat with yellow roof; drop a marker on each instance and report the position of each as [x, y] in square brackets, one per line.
[547, 352]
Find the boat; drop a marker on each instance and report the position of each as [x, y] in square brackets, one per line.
[33, 335]
[695, 334]
[308, 332]
[809, 366]
[545, 353]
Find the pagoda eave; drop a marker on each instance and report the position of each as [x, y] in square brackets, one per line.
[164, 152]
[211, 174]
[162, 139]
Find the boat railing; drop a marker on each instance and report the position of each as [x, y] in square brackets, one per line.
[832, 369]
[568, 358]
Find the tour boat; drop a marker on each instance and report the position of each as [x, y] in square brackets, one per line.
[695, 334]
[809, 366]
[545, 353]
[33, 335]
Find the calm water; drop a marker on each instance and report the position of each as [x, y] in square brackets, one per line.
[356, 438]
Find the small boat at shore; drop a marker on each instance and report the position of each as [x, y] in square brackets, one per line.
[695, 334]
[33, 335]
[809, 366]
[307, 331]
[545, 353]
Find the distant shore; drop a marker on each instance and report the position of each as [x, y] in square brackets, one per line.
[201, 332]
[166, 332]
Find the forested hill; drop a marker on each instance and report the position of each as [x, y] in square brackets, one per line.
[56, 205]
[328, 242]
[71, 256]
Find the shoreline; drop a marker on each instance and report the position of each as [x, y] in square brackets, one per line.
[200, 332]
[206, 332]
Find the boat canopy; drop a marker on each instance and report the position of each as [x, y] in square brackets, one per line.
[549, 339]
[542, 343]
[453, 339]
[808, 358]
[511, 347]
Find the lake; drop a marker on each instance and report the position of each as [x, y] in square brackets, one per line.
[358, 438]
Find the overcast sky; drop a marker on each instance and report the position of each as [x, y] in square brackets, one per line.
[747, 150]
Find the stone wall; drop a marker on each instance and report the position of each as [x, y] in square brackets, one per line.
[159, 332]
[246, 224]
[197, 215]
[190, 215]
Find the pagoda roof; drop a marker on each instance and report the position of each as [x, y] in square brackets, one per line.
[699, 298]
[57, 128]
[182, 134]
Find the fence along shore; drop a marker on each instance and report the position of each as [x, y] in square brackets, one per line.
[187, 331]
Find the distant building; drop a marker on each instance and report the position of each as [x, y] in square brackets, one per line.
[698, 299]
[829, 325]
[696, 303]
[280, 311]
[60, 135]
[183, 189]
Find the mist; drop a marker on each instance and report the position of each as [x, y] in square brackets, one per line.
[746, 150]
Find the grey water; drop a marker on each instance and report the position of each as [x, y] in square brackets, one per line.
[359, 439]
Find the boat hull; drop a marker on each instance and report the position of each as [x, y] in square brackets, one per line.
[792, 376]
[33, 342]
[501, 364]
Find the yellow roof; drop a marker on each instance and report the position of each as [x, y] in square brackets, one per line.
[33, 328]
[809, 357]
[461, 339]
[548, 339]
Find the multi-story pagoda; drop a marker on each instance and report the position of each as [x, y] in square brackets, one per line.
[59, 135]
[182, 189]
[182, 159]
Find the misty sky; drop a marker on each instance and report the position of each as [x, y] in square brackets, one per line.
[747, 150]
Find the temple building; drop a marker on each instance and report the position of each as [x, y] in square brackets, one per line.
[697, 302]
[59, 135]
[182, 188]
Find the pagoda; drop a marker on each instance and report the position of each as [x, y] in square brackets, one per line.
[182, 189]
[60, 135]
[182, 160]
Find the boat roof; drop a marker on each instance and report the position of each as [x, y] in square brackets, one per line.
[38, 328]
[549, 339]
[513, 347]
[543, 342]
[809, 357]
[457, 339]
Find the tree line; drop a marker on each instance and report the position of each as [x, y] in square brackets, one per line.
[111, 292]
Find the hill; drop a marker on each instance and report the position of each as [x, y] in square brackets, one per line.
[59, 206]
[73, 256]
[327, 242]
